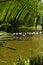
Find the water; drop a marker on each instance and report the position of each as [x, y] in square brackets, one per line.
[26, 48]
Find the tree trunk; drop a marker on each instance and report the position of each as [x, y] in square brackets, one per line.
[42, 27]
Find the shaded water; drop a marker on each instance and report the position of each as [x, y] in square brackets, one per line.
[31, 47]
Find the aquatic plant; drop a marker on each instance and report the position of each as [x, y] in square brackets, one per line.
[35, 60]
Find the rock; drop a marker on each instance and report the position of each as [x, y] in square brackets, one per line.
[36, 33]
[20, 33]
[17, 38]
[40, 32]
[16, 33]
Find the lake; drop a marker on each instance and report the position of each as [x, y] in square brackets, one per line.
[26, 48]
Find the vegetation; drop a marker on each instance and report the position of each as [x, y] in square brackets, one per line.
[4, 37]
[15, 14]
[38, 60]
[10, 50]
[21, 17]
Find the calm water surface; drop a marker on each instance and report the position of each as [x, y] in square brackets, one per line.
[32, 46]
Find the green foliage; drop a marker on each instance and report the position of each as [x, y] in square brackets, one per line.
[20, 61]
[18, 13]
[38, 60]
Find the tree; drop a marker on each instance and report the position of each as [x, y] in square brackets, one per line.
[19, 13]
